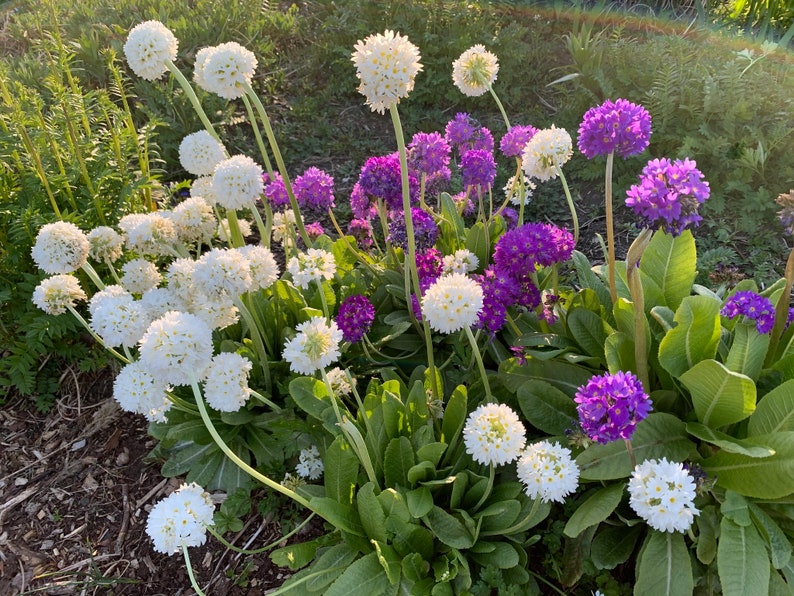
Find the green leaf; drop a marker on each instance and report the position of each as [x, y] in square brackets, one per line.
[774, 411]
[431, 452]
[742, 562]
[589, 330]
[499, 516]
[343, 517]
[748, 350]
[726, 442]
[613, 545]
[477, 241]
[669, 266]
[694, 338]
[341, 471]
[364, 576]
[389, 560]
[322, 572]
[502, 555]
[777, 542]
[619, 352]
[708, 524]
[594, 510]
[546, 407]
[295, 556]
[311, 395]
[371, 513]
[421, 472]
[768, 478]
[455, 414]
[664, 568]
[448, 528]
[589, 279]
[565, 377]
[735, 508]
[398, 459]
[414, 567]
[416, 407]
[659, 435]
[719, 396]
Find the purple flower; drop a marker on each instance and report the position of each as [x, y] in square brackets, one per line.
[425, 230]
[610, 406]
[510, 216]
[429, 264]
[380, 178]
[515, 139]
[276, 192]
[361, 205]
[428, 153]
[478, 168]
[355, 318]
[361, 230]
[460, 129]
[500, 291]
[669, 194]
[529, 296]
[481, 140]
[519, 250]
[619, 126]
[314, 230]
[753, 306]
[314, 190]
[438, 181]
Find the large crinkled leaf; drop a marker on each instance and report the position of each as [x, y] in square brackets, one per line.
[695, 336]
[668, 267]
[664, 568]
[589, 330]
[748, 350]
[341, 471]
[364, 576]
[774, 411]
[726, 442]
[565, 377]
[594, 510]
[546, 407]
[720, 396]
[742, 560]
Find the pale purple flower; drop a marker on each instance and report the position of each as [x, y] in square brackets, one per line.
[610, 406]
[619, 126]
[515, 139]
[753, 306]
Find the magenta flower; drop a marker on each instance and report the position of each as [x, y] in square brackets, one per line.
[753, 306]
[428, 153]
[425, 230]
[520, 250]
[355, 318]
[314, 230]
[361, 205]
[500, 291]
[314, 190]
[669, 194]
[610, 406]
[429, 265]
[478, 168]
[361, 230]
[275, 191]
[515, 139]
[380, 178]
[619, 126]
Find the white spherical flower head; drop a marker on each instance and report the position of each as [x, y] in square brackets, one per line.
[386, 65]
[264, 269]
[237, 182]
[148, 48]
[140, 275]
[105, 244]
[149, 233]
[310, 465]
[194, 220]
[493, 434]
[313, 265]
[109, 292]
[315, 346]
[218, 313]
[226, 385]
[663, 494]
[452, 303]
[202, 187]
[226, 69]
[118, 319]
[200, 152]
[57, 293]
[546, 151]
[137, 391]
[513, 190]
[475, 71]
[339, 382]
[223, 272]
[60, 247]
[181, 519]
[463, 261]
[158, 301]
[177, 348]
[180, 280]
[282, 223]
[548, 472]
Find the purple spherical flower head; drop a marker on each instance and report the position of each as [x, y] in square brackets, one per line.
[753, 306]
[276, 192]
[429, 265]
[438, 181]
[425, 230]
[529, 297]
[610, 406]
[314, 230]
[669, 194]
[355, 318]
[361, 230]
[428, 153]
[361, 205]
[478, 169]
[519, 250]
[314, 190]
[500, 291]
[460, 129]
[515, 139]
[380, 177]
[481, 140]
[619, 126]
[510, 216]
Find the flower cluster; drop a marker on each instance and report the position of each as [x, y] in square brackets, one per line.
[547, 150]
[315, 346]
[786, 213]
[226, 382]
[237, 182]
[314, 265]
[148, 49]
[200, 152]
[548, 471]
[619, 126]
[610, 406]
[226, 69]
[753, 306]
[452, 303]
[425, 230]
[60, 247]
[181, 519]
[314, 190]
[494, 435]
[310, 464]
[663, 494]
[475, 71]
[57, 293]
[355, 318]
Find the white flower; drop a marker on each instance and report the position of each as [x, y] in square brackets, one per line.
[218, 313]
[226, 385]
[57, 293]
[180, 280]
[452, 303]
[105, 244]
[180, 519]
[224, 233]
[663, 494]
[386, 65]
[223, 272]
[313, 265]
[194, 220]
[226, 69]
[177, 348]
[148, 233]
[463, 261]
[140, 275]
[282, 222]
[60, 247]
[137, 391]
[118, 319]
[548, 471]
[513, 190]
[102, 295]
[475, 71]
[148, 48]
[314, 347]
[493, 434]
[158, 301]
[310, 465]
[202, 187]
[264, 269]
[237, 182]
[339, 383]
[547, 150]
[200, 152]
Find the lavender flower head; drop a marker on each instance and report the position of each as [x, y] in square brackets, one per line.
[425, 230]
[361, 205]
[428, 153]
[519, 250]
[500, 291]
[275, 191]
[460, 129]
[619, 126]
[355, 318]
[429, 266]
[669, 194]
[610, 406]
[515, 139]
[314, 190]
[786, 213]
[753, 306]
[380, 177]
[361, 230]
[478, 169]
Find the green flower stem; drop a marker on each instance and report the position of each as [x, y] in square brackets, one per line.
[190, 572]
[638, 297]
[94, 276]
[610, 228]
[488, 488]
[98, 339]
[181, 404]
[489, 398]
[265, 548]
[410, 264]
[78, 155]
[781, 311]
[57, 154]
[571, 206]
[630, 449]
[323, 299]
[257, 339]
[500, 106]
[191, 95]
[264, 400]
[282, 168]
[235, 235]
[257, 475]
[265, 227]
[258, 135]
[307, 578]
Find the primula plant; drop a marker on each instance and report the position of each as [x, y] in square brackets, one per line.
[425, 382]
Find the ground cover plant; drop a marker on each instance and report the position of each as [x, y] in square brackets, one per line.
[467, 337]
